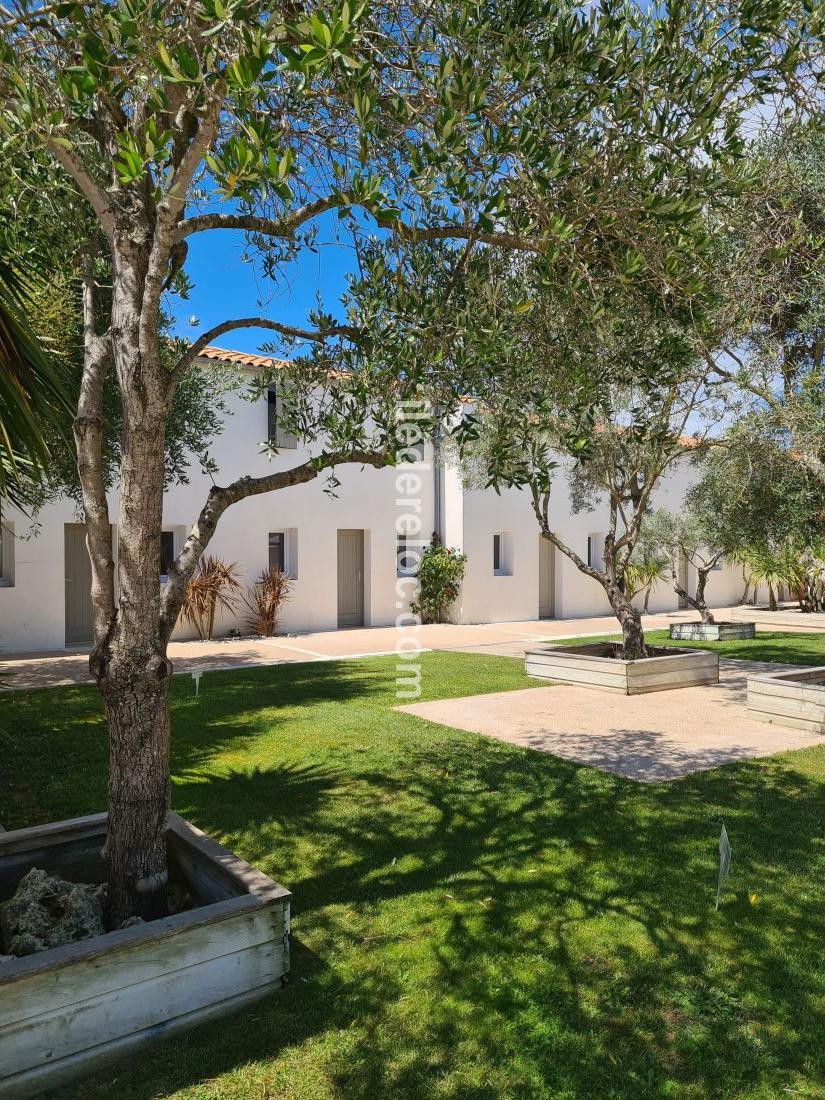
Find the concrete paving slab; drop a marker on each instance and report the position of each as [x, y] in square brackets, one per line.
[650, 738]
[71, 666]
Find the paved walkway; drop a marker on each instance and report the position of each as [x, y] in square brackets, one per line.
[651, 738]
[33, 670]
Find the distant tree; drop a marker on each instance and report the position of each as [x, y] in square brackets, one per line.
[759, 504]
[646, 570]
[769, 337]
[682, 537]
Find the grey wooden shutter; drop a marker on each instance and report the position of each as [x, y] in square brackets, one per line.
[278, 436]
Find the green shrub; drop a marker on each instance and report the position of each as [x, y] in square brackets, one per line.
[439, 575]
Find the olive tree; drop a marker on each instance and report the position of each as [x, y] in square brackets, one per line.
[545, 130]
[760, 504]
[639, 437]
[547, 385]
[770, 270]
[681, 537]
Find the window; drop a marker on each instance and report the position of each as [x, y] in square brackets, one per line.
[167, 553]
[502, 555]
[595, 551]
[407, 556]
[6, 555]
[277, 437]
[277, 550]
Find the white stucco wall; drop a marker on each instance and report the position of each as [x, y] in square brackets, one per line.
[32, 611]
[490, 598]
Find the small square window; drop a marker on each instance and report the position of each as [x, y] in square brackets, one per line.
[167, 553]
[277, 437]
[595, 551]
[407, 556]
[6, 554]
[502, 554]
[277, 550]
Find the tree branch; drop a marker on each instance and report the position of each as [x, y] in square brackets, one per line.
[267, 227]
[513, 241]
[189, 356]
[285, 227]
[540, 509]
[95, 194]
[88, 433]
[220, 498]
[168, 211]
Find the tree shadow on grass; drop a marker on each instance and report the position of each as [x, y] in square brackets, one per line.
[53, 742]
[486, 921]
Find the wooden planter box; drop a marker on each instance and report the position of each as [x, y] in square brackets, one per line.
[71, 1010]
[596, 666]
[794, 699]
[711, 632]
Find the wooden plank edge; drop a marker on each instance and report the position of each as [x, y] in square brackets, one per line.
[31, 1083]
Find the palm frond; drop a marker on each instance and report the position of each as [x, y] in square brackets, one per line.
[34, 391]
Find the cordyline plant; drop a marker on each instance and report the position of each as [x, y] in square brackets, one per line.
[645, 570]
[264, 599]
[464, 122]
[213, 587]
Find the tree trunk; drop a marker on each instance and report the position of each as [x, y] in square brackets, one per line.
[772, 604]
[630, 620]
[699, 601]
[137, 712]
[744, 597]
[129, 661]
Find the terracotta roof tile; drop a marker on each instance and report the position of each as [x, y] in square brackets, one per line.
[244, 359]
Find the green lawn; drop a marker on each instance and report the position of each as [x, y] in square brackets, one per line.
[471, 919]
[772, 645]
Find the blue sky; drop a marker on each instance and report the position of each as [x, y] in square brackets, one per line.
[225, 287]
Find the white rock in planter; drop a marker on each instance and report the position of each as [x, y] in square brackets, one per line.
[711, 632]
[599, 665]
[47, 911]
[72, 1009]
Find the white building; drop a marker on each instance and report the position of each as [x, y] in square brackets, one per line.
[342, 551]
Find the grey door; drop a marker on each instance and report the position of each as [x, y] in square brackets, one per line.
[78, 585]
[547, 579]
[350, 578]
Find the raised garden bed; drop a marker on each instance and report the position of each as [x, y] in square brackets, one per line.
[600, 665]
[69, 1010]
[795, 699]
[711, 632]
